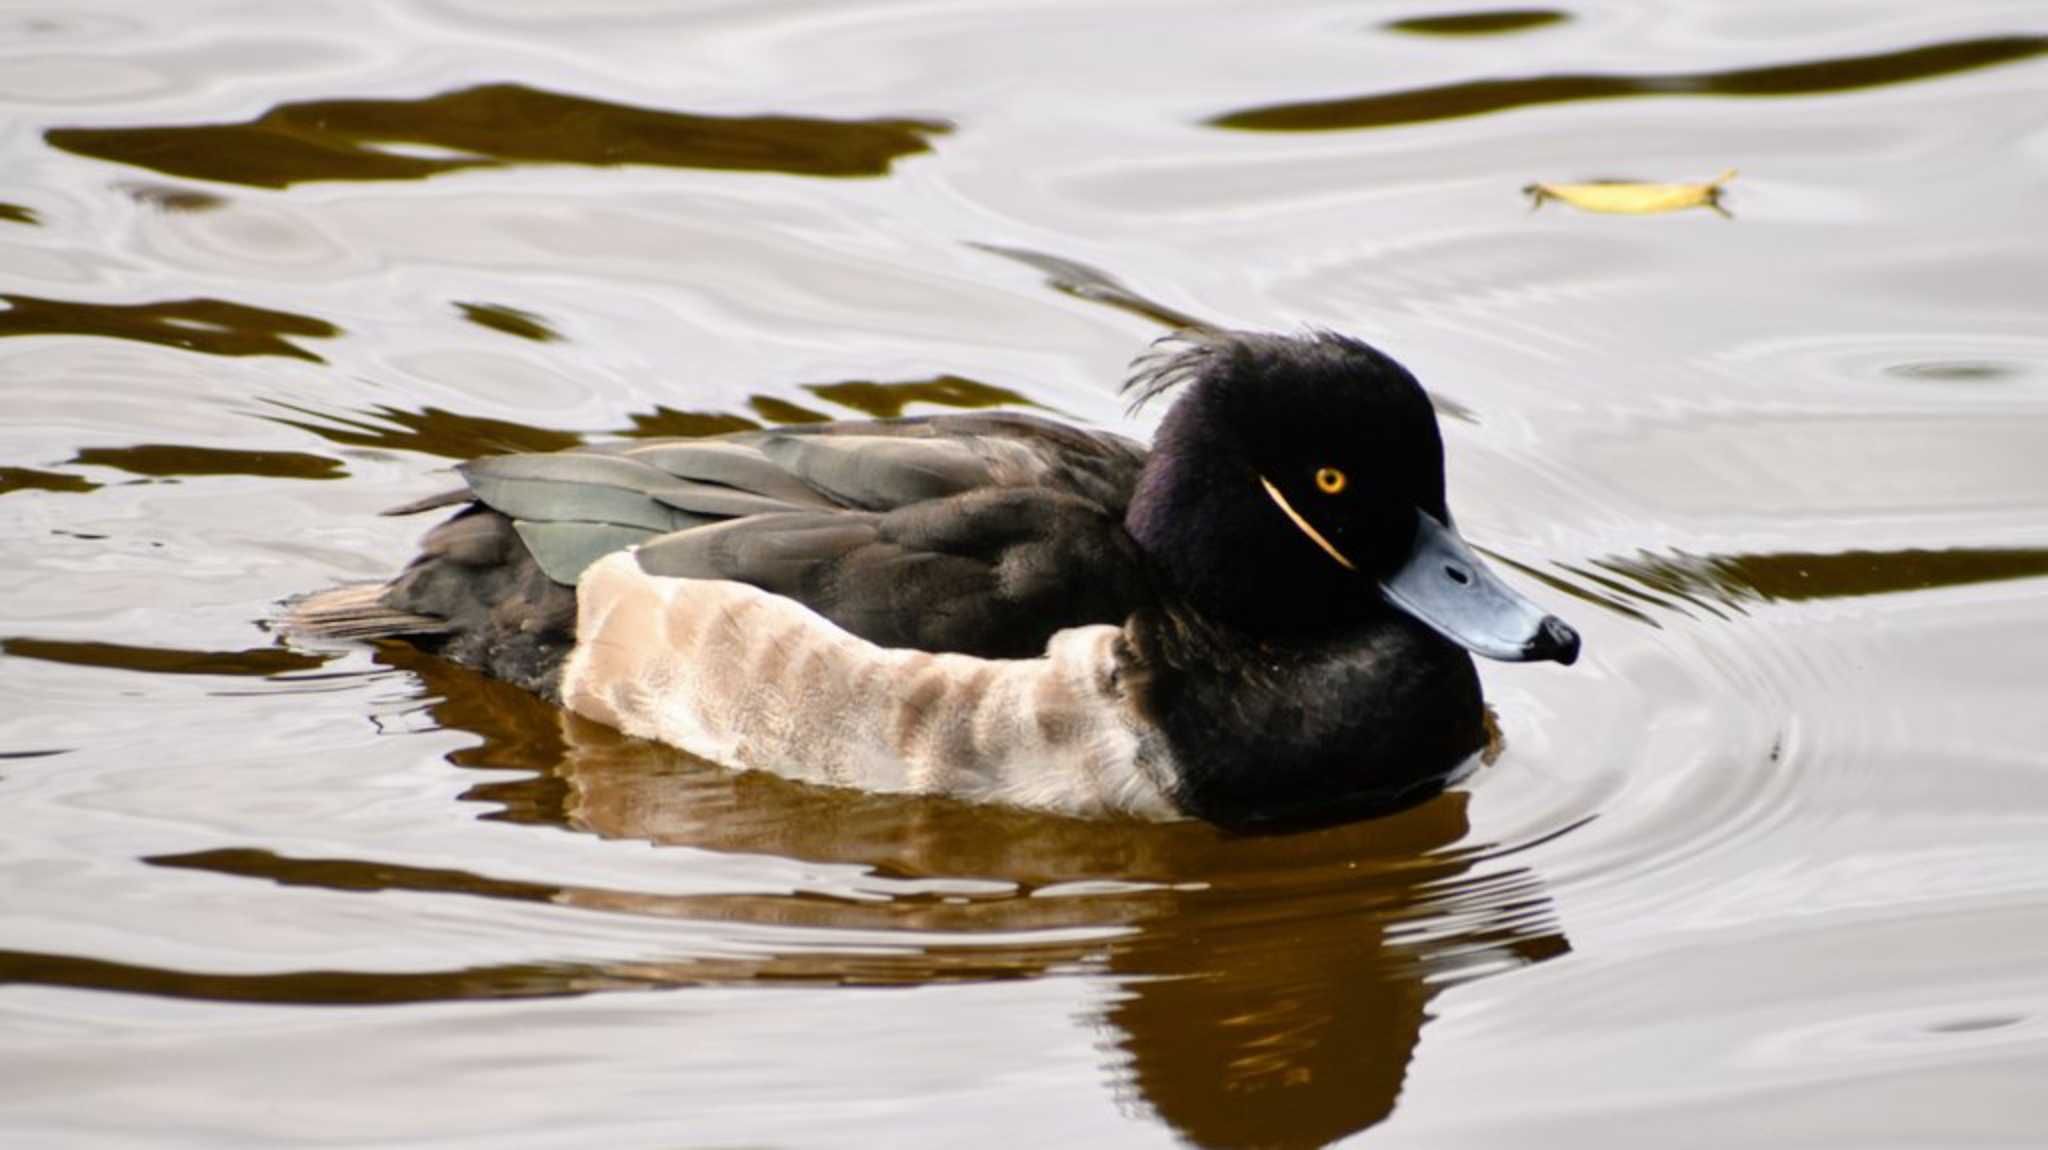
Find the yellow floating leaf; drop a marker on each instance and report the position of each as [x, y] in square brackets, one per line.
[1622, 197]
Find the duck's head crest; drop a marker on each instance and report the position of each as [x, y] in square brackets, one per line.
[1171, 361]
[1298, 483]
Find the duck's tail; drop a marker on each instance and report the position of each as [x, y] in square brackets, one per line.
[357, 611]
[474, 594]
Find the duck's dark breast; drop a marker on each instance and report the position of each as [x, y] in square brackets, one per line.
[1364, 722]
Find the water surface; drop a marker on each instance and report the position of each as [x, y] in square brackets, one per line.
[1769, 866]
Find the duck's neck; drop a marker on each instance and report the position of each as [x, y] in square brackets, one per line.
[1365, 718]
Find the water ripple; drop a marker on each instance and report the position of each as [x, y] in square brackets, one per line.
[1483, 97]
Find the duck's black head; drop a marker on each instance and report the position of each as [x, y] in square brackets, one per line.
[1304, 669]
[1297, 486]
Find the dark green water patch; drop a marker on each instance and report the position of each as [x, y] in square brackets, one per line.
[1794, 577]
[1975, 1024]
[1481, 97]
[887, 400]
[210, 326]
[29, 479]
[256, 662]
[1955, 371]
[1497, 22]
[510, 320]
[16, 214]
[163, 460]
[492, 126]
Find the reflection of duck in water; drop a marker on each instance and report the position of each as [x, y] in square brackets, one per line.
[1257, 620]
[1262, 991]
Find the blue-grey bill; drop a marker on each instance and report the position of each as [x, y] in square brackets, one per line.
[1444, 584]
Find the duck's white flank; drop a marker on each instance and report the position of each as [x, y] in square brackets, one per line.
[756, 681]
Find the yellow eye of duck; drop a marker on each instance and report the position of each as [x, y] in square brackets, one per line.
[1330, 481]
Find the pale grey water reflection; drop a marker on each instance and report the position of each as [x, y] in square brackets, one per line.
[1766, 867]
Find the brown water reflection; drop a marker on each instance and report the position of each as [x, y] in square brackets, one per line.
[1490, 23]
[1713, 585]
[263, 662]
[429, 431]
[171, 198]
[1791, 808]
[888, 400]
[31, 479]
[452, 435]
[1481, 97]
[665, 420]
[494, 126]
[1272, 989]
[160, 460]
[867, 397]
[510, 320]
[1797, 576]
[776, 410]
[212, 326]
[303, 987]
[1587, 587]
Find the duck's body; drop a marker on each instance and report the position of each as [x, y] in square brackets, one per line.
[996, 607]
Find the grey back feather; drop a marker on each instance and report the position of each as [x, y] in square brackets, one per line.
[572, 508]
[813, 491]
[569, 487]
[563, 550]
[738, 465]
[877, 472]
[770, 551]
